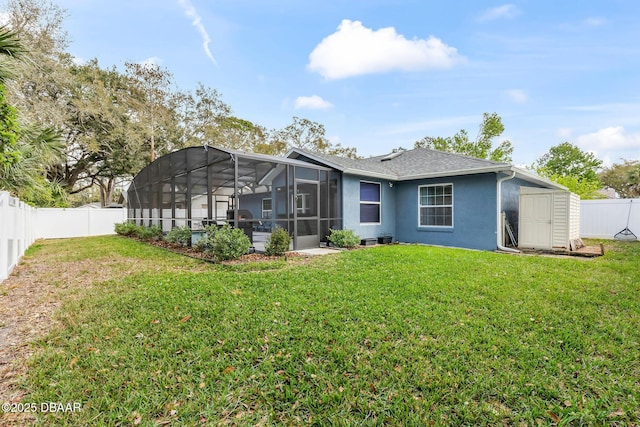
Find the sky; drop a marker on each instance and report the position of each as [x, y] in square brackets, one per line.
[381, 74]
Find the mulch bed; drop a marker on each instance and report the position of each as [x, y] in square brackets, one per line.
[197, 254]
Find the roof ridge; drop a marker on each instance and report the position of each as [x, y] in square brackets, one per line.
[460, 155]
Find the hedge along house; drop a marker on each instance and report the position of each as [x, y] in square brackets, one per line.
[199, 186]
[428, 196]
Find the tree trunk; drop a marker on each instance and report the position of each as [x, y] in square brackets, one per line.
[107, 189]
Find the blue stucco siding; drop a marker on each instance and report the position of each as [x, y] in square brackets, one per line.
[253, 203]
[511, 199]
[351, 208]
[474, 213]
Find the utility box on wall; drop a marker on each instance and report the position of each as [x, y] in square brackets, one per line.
[548, 219]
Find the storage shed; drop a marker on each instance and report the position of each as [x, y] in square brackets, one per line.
[548, 219]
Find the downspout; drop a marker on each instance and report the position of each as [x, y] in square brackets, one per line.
[499, 214]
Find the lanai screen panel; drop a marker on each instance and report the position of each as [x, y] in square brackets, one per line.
[199, 185]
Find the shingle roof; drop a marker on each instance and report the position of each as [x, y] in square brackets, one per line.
[408, 164]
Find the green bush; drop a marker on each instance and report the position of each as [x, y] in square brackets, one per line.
[344, 238]
[225, 243]
[127, 229]
[150, 233]
[278, 242]
[180, 235]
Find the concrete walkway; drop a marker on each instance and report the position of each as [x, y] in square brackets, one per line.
[318, 251]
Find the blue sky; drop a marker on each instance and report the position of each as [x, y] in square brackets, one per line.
[380, 74]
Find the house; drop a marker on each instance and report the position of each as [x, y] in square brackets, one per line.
[417, 196]
[429, 196]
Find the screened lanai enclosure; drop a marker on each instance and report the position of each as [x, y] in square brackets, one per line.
[200, 186]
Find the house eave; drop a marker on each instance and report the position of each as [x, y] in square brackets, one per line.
[520, 173]
[532, 177]
[268, 158]
[370, 174]
[313, 157]
[459, 172]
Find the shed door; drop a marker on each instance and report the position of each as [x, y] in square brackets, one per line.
[535, 221]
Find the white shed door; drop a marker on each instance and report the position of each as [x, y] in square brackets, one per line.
[535, 221]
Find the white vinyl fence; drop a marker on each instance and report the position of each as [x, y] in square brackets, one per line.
[21, 225]
[16, 231]
[56, 223]
[602, 219]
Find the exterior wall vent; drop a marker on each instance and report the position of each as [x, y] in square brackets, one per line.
[392, 155]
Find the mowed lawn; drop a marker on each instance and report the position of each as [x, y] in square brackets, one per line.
[394, 335]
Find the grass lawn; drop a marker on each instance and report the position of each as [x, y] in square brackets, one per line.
[397, 335]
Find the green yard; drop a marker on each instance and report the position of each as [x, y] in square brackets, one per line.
[396, 335]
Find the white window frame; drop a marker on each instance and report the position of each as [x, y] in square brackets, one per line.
[379, 203]
[420, 206]
[264, 211]
[304, 198]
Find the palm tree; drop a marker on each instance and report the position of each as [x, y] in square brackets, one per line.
[11, 48]
[25, 151]
[38, 149]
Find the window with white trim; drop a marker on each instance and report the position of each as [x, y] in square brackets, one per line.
[370, 202]
[266, 208]
[435, 205]
[302, 202]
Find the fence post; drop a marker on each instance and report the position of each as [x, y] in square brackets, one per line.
[4, 241]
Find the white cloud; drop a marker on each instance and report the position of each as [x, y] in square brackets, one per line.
[313, 102]
[610, 138]
[78, 60]
[5, 19]
[506, 11]
[564, 133]
[518, 96]
[356, 50]
[154, 60]
[594, 22]
[192, 13]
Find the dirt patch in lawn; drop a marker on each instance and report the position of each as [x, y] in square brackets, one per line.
[41, 283]
[36, 288]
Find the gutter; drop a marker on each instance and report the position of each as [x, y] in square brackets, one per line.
[499, 213]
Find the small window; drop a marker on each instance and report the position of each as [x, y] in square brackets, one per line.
[266, 208]
[436, 205]
[303, 202]
[369, 202]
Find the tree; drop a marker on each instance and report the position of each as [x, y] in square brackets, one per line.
[102, 115]
[623, 177]
[308, 135]
[567, 159]
[567, 165]
[38, 149]
[11, 47]
[154, 84]
[9, 131]
[25, 150]
[482, 148]
[39, 23]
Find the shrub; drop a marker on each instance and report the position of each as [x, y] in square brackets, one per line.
[127, 229]
[344, 238]
[225, 243]
[278, 242]
[180, 235]
[150, 233]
